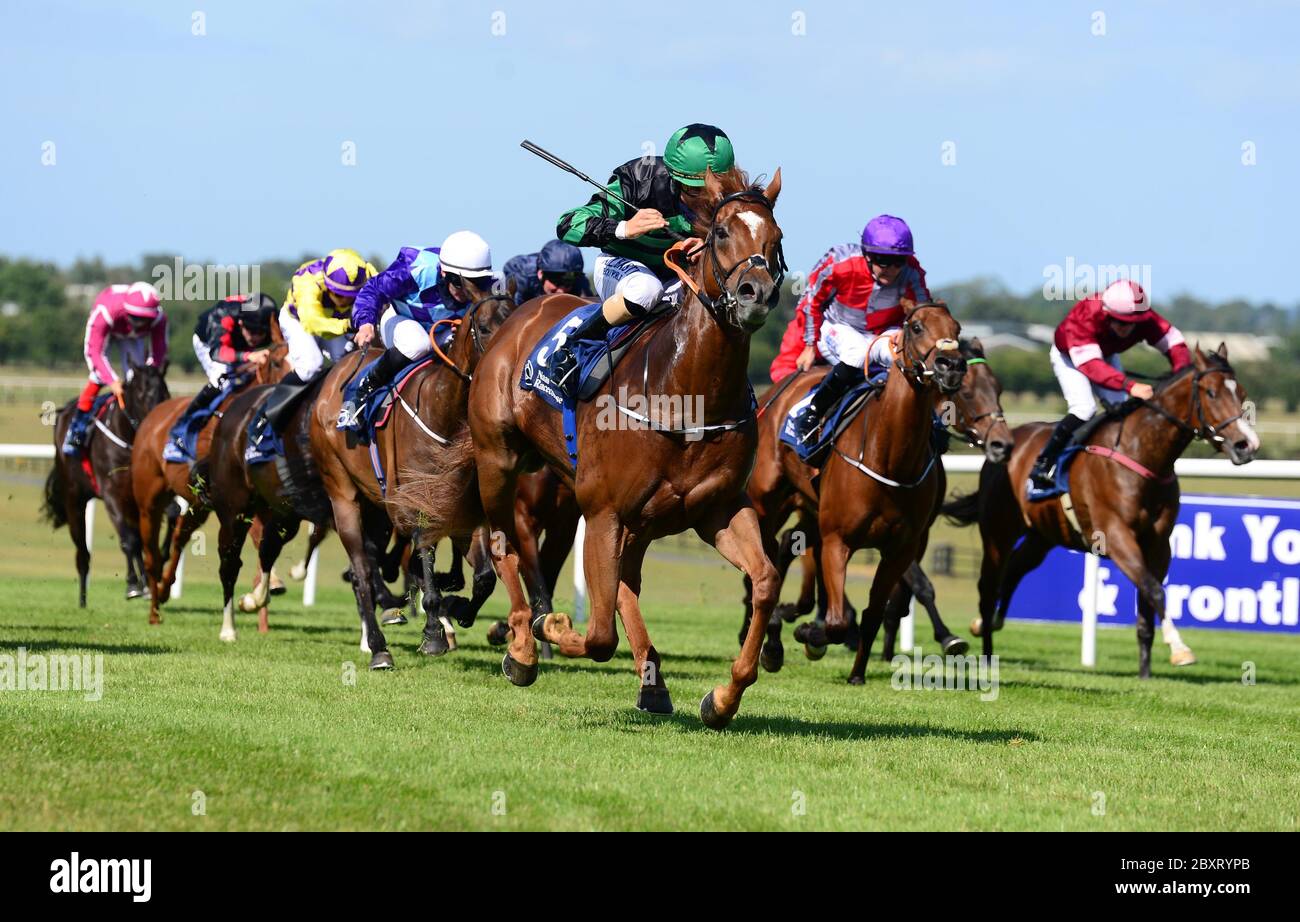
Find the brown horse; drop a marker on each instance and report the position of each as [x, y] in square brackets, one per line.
[635, 484]
[1123, 498]
[421, 431]
[156, 483]
[103, 469]
[973, 413]
[880, 484]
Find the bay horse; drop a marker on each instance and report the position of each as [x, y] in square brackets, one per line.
[156, 482]
[424, 424]
[1123, 498]
[973, 413]
[880, 484]
[636, 484]
[103, 469]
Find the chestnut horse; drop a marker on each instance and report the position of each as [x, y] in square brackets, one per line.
[881, 482]
[156, 483]
[69, 486]
[974, 414]
[422, 428]
[635, 484]
[1123, 498]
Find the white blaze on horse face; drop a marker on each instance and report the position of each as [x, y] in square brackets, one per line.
[1252, 438]
[753, 220]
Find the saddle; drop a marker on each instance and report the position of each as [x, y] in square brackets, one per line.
[838, 418]
[375, 414]
[183, 439]
[596, 362]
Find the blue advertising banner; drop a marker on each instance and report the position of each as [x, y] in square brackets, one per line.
[1235, 566]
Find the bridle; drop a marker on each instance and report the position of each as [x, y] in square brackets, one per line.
[476, 334]
[919, 366]
[1196, 425]
[971, 431]
[726, 301]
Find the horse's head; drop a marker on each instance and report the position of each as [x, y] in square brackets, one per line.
[490, 305]
[742, 264]
[1219, 408]
[276, 365]
[930, 347]
[145, 388]
[977, 406]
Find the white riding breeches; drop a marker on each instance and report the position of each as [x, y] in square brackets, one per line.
[1080, 392]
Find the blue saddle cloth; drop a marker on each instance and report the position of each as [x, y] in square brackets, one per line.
[183, 439]
[536, 375]
[267, 448]
[375, 413]
[821, 438]
[1060, 477]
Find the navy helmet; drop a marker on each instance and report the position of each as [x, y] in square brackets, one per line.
[558, 256]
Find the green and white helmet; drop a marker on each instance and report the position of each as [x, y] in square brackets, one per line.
[695, 148]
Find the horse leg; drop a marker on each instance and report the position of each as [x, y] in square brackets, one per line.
[152, 511]
[889, 572]
[128, 539]
[434, 641]
[230, 542]
[274, 538]
[351, 529]
[602, 551]
[652, 697]
[485, 579]
[895, 611]
[735, 532]
[923, 590]
[833, 570]
[1127, 554]
[1180, 654]
[1025, 556]
[189, 523]
[74, 508]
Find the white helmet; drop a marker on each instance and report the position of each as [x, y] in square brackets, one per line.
[466, 254]
[1125, 299]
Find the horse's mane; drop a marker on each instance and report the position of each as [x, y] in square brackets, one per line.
[733, 181]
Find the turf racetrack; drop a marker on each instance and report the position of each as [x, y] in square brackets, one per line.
[274, 736]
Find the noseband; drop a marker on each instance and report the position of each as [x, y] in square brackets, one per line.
[918, 366]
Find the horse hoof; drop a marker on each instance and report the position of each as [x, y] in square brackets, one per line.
[955, 646]
[227, 636]
[435, 645]
[857, 680]
[772, 660]
[381, 660]
[1182, 657]
[298, 572]
[975, 626]
[851, 637]
[709, 714]
[247, 603]
[134, 592]
[654, 700]
[498, 633]
[460, 610]
[814, 653]
[393, 616]
[277, 586]
[519, 674]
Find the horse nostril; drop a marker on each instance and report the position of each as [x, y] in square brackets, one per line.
[747, 292]
[1241, 445]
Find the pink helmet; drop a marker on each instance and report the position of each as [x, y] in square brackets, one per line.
[1125, 300]
[142, 300]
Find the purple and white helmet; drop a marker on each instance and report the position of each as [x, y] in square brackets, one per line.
[887, 235]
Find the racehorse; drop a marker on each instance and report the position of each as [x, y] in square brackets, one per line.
[103, 469]
[1123, 496]
[973, 413]
[635, 484]
[880, 484]
[427, 418]
[156, 482]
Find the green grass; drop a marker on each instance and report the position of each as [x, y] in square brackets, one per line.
[275, 738]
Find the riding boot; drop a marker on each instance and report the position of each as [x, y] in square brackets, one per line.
[833, 387]
[202, 400]
[380, 375]
[1043, 472]
[275, 410]
[563, 364]
[75, 438]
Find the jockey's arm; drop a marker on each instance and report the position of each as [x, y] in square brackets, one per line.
[594, 224]
[1168, 339]
[158, 341]
[307, 297]
[97, 333]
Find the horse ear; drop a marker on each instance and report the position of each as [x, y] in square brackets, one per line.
[1198, 357]
[976, 346]
[1222, 351]
[773, 188]
[511, 287]
[907, 305]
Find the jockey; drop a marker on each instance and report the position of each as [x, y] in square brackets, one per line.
[630, 275]
[226, 335]
[316, 312]
[852, 309]
[557, 269]
[1085, 355]
[421, 287]
[130, 318]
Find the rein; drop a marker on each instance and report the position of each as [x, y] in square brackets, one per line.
[971, 435]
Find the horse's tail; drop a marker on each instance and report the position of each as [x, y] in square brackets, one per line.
[963, 508]
[53, 509]
[431, 499]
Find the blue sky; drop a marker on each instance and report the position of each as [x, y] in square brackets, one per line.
[1120, 148]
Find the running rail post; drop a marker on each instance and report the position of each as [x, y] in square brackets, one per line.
[579, 576]
[309, 581]
[1091, 592]
[907, 629]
